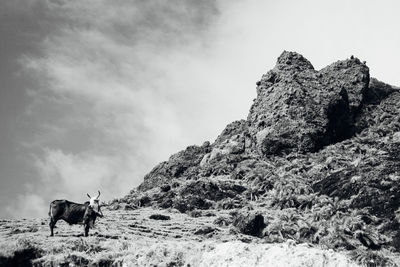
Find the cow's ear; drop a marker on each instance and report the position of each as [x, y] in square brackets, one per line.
[89, 196]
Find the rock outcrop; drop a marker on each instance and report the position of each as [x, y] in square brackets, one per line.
[183, 163]
[299, 109]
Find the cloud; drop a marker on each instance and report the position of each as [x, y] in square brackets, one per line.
[27, 206]
[72, 176]
[105, 107]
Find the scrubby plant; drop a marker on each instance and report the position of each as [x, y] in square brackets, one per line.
[223, 221]
[372, 259]
[21, 253]
[82, 245]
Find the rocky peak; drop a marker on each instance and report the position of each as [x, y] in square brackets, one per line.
[292, 60]
[299, 109]
[351, 75]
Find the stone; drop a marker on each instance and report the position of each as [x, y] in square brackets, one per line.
[249, 223]
[160, 217]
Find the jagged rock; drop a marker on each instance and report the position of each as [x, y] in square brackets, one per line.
[300, 109]
[349, 75]
[178, 165]
[293, 61]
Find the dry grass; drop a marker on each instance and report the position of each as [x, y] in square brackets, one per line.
[131, 238]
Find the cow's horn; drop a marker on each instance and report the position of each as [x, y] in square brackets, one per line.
[98, 195]
[89, 195]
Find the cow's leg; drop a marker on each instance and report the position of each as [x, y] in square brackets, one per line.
[52, 224]
[87, 229]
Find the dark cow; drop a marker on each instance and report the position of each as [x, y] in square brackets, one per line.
[74, 213]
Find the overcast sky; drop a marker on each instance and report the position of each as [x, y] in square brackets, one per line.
[95, 93]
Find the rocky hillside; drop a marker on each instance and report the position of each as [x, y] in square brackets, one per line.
[310, 178]
[317, 160]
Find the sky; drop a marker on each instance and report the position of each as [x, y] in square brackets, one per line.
[95, 93]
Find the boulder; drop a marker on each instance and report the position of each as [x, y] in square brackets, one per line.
[249, 223]
[160, 217]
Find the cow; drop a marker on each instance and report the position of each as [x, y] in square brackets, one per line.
[74, 213]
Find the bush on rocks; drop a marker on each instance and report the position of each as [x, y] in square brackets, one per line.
[190, 203]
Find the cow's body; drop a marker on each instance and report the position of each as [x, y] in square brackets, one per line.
[73, 213]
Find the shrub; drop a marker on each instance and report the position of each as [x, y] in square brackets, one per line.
[24, 253]
[160, 217]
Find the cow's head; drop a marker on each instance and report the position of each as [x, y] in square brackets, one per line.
[94, 203]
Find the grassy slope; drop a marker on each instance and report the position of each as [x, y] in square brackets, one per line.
[130, 238]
